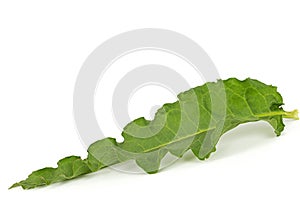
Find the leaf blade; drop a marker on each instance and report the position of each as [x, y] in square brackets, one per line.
[196, 121]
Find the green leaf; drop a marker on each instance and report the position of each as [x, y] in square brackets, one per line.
[195, 122]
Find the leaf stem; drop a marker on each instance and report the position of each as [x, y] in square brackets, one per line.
[291, 115]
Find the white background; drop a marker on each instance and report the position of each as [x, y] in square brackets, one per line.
[43, 45]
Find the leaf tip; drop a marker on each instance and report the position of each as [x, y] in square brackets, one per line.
[152, 172]
[14, 186]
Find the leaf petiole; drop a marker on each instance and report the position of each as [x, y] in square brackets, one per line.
[291, 115]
